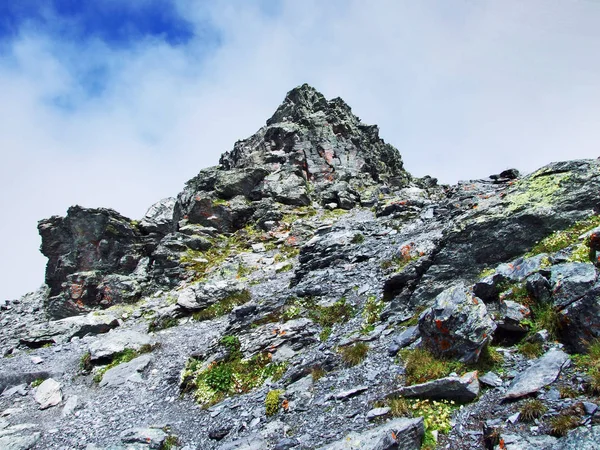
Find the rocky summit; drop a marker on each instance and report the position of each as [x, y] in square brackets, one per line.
[309, 293]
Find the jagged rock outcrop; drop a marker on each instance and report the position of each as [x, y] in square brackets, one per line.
[87, 252]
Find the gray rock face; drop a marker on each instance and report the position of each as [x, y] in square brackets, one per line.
[541, 373]
[48, 394]
[491, 379]
[126, 372]
[580, 321]
[457, 325]
[117, 341]
[462, 389]
[570, 281]
[406, 434]
[579, 439]
[503, 227]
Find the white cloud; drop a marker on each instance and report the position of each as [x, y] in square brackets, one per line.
[463, 89]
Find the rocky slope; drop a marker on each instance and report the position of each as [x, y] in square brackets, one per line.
[307, 293]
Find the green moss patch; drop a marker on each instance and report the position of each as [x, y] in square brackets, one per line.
[233, 375]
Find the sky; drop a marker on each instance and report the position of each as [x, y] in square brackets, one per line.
[117, 103]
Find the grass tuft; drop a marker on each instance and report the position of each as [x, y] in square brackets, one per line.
[531, 410]
[354, 354]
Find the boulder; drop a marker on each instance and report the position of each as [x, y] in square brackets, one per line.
[542, 372]
[580, 321]
[405, 434]
[457, 325]
[201, 295]
[126, 372]
[461, 389]
[512, 315]
[570, 281]
[154, 438]
[115, 342]
[48, 394]
[66, 329]
[159, 217]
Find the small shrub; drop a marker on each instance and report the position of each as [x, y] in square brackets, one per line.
[317, 373]
[233, 346]
[531, 410]
[286, 268]
[170, 443]
[273, 402]
[354, 354]
[232, 376]
[531, 349]
[35, 383]
[327, 316]
[567, 392]
[590, 363]
[324, 334]
[85, 362]
[162, 323]
[561, 424]
[372, 310]
[358, 238]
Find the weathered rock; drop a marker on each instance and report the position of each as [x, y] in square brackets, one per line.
[541, 373]
[19, 437]
[506, 226]
[579, 439]
[512, 315]
[457, 325]
[159, 217]
[580, 321]
[462, 389]
[14, 378]
[405, 434]
[570, 281]
[538, 286]
[66, 329]
[115, 342]
[527, 442]
[154, 438]
[350, 393]
[201, 295]
[48, 394]
[407, 337]
[375, 413]
[323, 139]
[126, 372]
[93, 242]
[491, 379]
[71, 405]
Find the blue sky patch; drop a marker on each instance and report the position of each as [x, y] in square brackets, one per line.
[117, 23]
